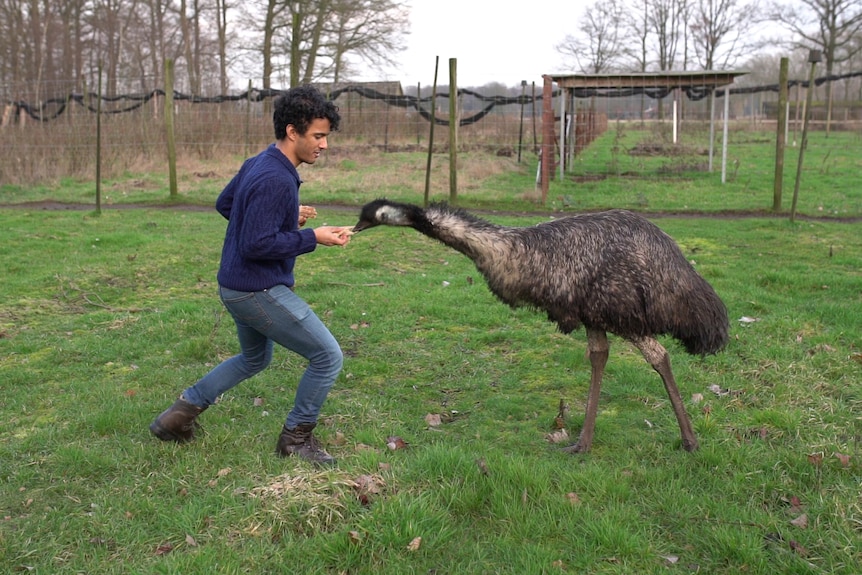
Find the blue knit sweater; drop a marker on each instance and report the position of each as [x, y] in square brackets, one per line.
[261, 204]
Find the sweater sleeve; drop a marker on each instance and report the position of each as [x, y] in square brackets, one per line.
[270, 226]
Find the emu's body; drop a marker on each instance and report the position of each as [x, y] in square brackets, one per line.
[611, 272]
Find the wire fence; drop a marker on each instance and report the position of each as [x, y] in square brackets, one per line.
[45, 141]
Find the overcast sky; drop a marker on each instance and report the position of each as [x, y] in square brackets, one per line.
[493, 41]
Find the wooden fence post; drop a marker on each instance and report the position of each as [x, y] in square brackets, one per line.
[169, 126]
[780, 135]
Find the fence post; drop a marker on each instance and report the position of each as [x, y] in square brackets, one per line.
[813, 58]
[169, 126]
[546, 156]
[453, 130]
[248, 103]
[780, 135]
[430, 129]
[99, 142]
[521, 123]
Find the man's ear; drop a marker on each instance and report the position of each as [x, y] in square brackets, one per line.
[291, 133]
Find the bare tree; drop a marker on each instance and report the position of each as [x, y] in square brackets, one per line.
[315, 41]
[832, 26]
[668, 20]
[222, 30]
[369, 32]
[723, 30]
[599, 47]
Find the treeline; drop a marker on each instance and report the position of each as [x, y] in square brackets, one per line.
[50, 48]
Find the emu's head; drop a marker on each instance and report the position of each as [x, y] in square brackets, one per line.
[382, 212]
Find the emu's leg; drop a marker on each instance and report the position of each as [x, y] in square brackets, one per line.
[597, 345]
[658, 358]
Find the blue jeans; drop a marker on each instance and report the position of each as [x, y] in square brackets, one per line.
[274, 315]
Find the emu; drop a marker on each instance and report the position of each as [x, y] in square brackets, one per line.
[612, 271]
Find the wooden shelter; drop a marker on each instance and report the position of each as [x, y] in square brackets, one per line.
[693, 84]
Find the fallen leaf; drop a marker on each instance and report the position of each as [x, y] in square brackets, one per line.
[483, 467]
[573, 498]
[558, 564]
[395, 442]
[415, 544]
[747, 320]
[815, 458]
[671, 559]
[799, 549]
[795, 504]
[164, 549]
[844, 459]
[801, 521]
[223, 472]
[433, 419]
[558, 436]
[354, 537]
[368, 484]
[258, 401]
[696, 397]
[190, 541]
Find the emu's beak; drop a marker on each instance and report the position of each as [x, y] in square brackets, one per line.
[359, 227]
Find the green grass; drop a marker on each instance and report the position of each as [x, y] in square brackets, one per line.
[106, 318]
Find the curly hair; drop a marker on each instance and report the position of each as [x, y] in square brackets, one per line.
[298, 107]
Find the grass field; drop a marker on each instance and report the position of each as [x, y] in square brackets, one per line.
[626, 168]
[105, 318]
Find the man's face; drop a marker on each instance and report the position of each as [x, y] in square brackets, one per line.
[307, 147]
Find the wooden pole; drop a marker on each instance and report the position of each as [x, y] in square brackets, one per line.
[533, 114]
[431, 131]
[248, 120]
[781, 134]
[99, 142]
[453, 130]
[546, 157]
[169, 126]
[521, 124]
[418, 115]
[724, 138]
[813, 58]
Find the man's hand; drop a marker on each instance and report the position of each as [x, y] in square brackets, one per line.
[333, 235]
[306, 213]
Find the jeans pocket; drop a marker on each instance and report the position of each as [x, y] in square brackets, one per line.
[283, 300]
[245, 308]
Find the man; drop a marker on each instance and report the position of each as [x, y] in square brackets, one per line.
[262, 242]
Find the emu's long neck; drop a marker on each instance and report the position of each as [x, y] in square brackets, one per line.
[479, 240]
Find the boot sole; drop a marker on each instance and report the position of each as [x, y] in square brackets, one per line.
[166, 435]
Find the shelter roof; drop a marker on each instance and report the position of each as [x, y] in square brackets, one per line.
[687, 79]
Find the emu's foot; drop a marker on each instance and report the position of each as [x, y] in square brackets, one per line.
[690, 445]
[576, 448]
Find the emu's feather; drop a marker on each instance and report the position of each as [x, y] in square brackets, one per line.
[613, 270]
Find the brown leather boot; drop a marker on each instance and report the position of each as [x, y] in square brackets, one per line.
[301, 441]
[177, 423]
